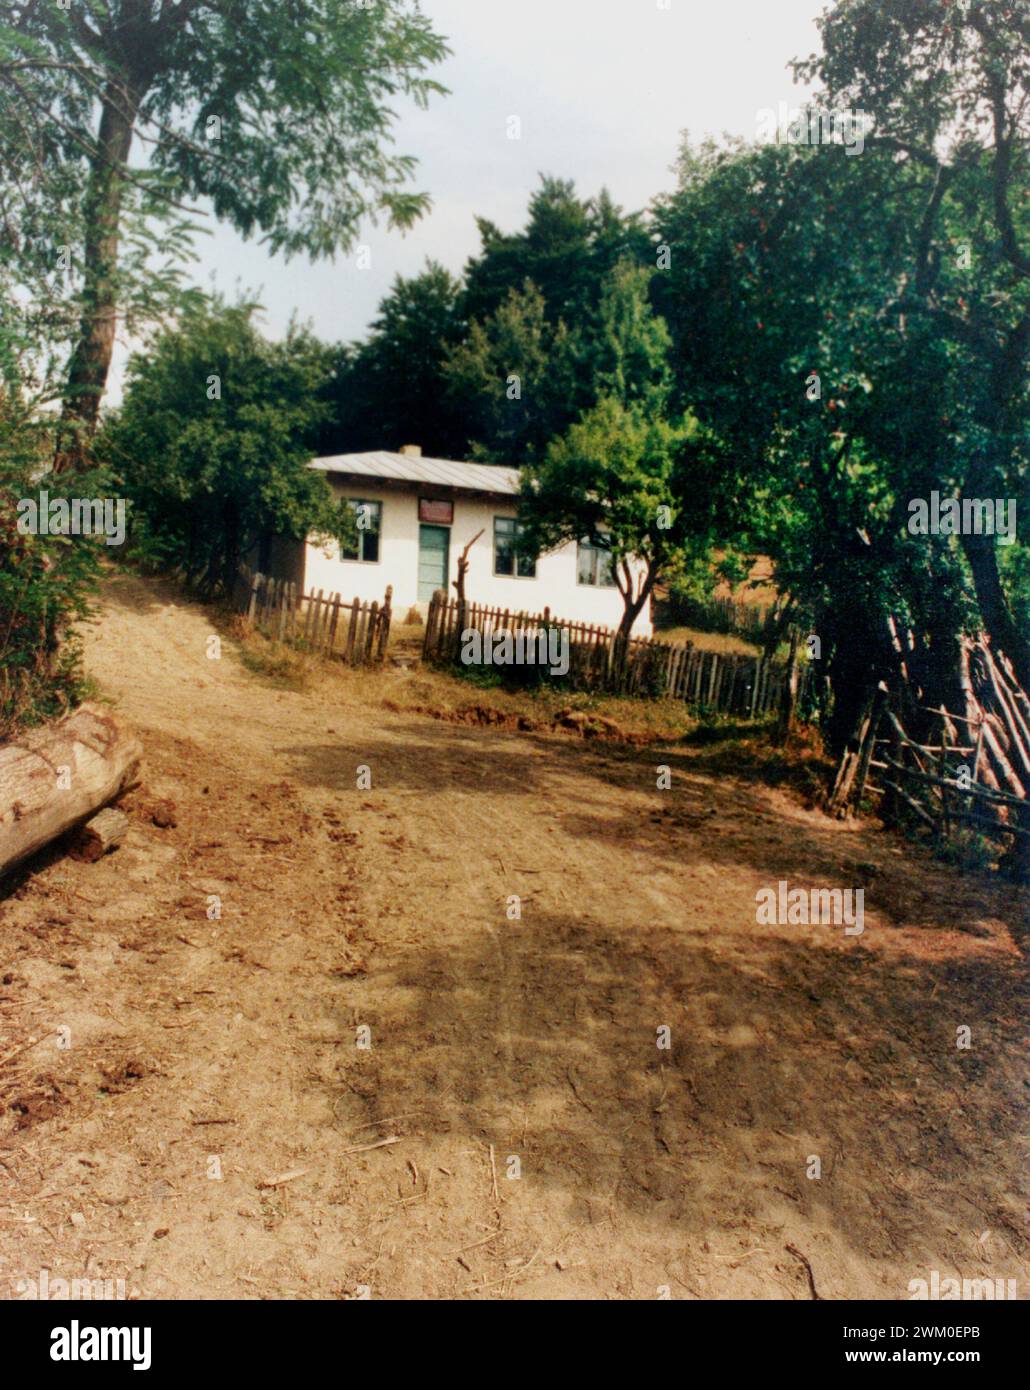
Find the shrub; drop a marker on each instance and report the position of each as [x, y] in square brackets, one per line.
[45, 583]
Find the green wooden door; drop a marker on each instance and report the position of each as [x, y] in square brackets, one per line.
[433, 555]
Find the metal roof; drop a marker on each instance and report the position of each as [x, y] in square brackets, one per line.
[413, 468]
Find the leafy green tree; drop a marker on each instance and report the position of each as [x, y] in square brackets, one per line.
[275, 111]
[745, 297]
[624, 476]
[447, 340]
[617, 479]
[516, 380]
[568, 245]
[950, 88]
[46, 580]
[213, 441]
[392, 389]
[821, 399]
[521, 381]
[625, 345]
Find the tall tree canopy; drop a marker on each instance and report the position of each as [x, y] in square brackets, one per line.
[855, 332]
[435, 368]
[277, 112]
[949, 86]
[392, 389]
[515, 375]
[569, 243]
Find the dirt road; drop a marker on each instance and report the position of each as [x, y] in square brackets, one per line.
[368, 1075]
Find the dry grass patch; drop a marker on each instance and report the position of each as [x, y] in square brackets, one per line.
[725, 642]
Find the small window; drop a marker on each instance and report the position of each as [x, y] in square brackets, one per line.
[369, 516]
[594, 565]
[507, 560]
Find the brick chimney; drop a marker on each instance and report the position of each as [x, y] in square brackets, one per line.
[413, 451]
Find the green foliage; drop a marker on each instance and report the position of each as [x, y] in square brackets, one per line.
[45, 582]
[517, 376]
[606, 478]
[213, 441]
[1015, 575]
[950, 88]
[277, 115]
[791, 347]
[622, 478]
[418, 324]
[625, 346]
[527, 308]
[302, 92]
[524, 380]
[568, 246]
[624, 474]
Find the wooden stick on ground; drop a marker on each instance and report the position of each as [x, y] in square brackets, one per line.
[808, 1268]
[10, 1056]
[380, 1144]
[100, 835]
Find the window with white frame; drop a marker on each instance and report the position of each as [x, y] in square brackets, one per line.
[369, 518]
[507, 560]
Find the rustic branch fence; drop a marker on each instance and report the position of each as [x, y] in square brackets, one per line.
[964, 769]
[716, 682]
[321, 623]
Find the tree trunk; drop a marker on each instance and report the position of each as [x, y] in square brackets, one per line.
[857, 639]
[632, 608]
[463, 566]
[91, 359]
[789, 698]
[232, 553]
[56, 777]
[994, 609]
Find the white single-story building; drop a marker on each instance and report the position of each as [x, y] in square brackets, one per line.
[417, 515]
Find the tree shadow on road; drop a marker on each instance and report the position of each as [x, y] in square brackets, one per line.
[541, 1038]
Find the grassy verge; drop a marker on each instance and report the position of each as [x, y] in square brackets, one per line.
[475, 698]
[723, 745]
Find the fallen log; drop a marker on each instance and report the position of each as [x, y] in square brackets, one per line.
[56, 777]
[100, 835]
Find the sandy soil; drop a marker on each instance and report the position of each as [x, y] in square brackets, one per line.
[207, 1059]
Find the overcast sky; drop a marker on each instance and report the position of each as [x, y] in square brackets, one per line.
[603, 90]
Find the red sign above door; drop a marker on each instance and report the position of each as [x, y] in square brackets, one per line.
[435, 512]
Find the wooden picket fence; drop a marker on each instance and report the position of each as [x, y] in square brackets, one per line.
[716, 682]
[752, 622]
[319, 622]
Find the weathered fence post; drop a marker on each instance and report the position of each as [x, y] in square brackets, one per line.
[431, 621]
[867, 747]
[284, 607]
[385, 617]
